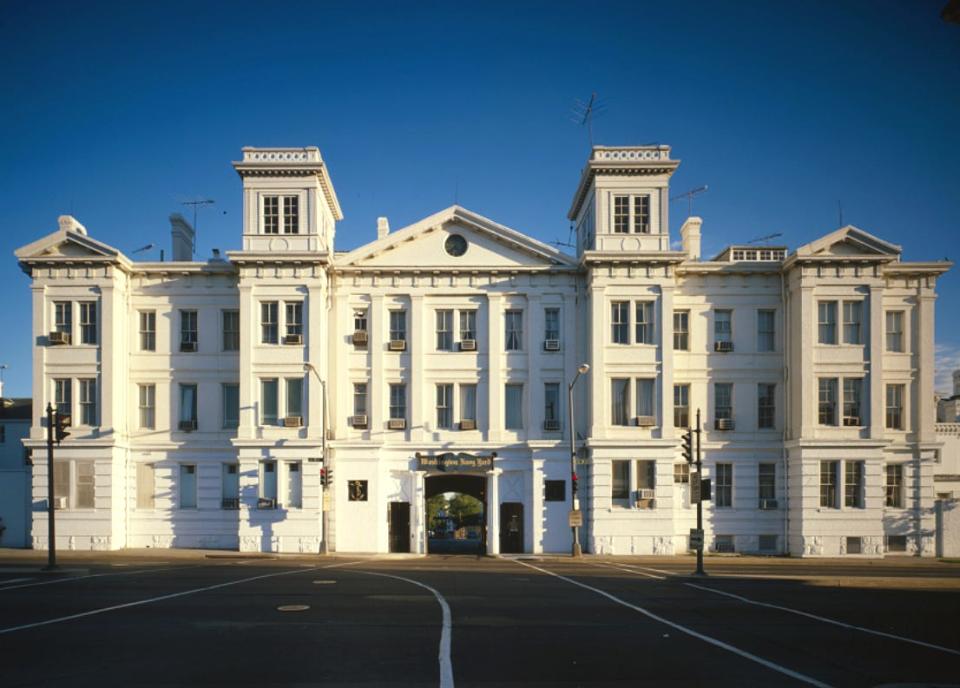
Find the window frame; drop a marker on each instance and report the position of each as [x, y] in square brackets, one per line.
[147, 406]
[551, 410]
[854, 483]
[267, 418]
[828, 401]
[147, 323]
[269, 322]
[763, 334]
[854, 324]
[829, 484]
[894, 327]
[398, 324]
[827, 322]
[620, 401]
[723, 488]
[681, 392]
[893, 484]
[444, 406]
[719, 335]
[398, 401]
[228, 423]
[551, 330]
[517, 389]
[87, 402]
[444, 329]
[766, 480]
[189, 329]
[681, 330]
[513, 329]
[722, 411]
[645, 331]
[87, 322]
[891, 411]
[230, 337]
[645, 392]
[766, 412]
[620, 322]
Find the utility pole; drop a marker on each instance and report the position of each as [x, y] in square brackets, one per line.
[699, 571]
[51, 528]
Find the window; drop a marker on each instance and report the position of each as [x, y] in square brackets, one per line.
[766, 405]
[724, 488]
[620, 396]
[767, 543]
[723, 401]
[681, 330]
[681, 473]
[398, 401]
[188, 486]
[188, 331]
[63, 317]
[468, 325]
[852, 322]
[88, 322]
[268, 482]
[646, 398]
[357, 490]
[148, 330]
[551, 403]
[188, 406]
[269, 402]
[896, 543]
[231, 404]
[148, 406]
[551, 323]
[293, 499]
[398, 326]
[294, 321]
[635, 215]
[230, 486]
[61, 482]
[294, 396]
[444, 330]
[231, 330]
[445, 406]
[86, 484]
[724, 543]
[360, 398]
[644, 311]
[62, 398]
[269, 329]
[641, 214]
[827, 322]
[621, 214]
[895, 407]
[271, 215]
[852, 395]
[894, 327]
[827, 411]
[853, 484]
[514, 407]
[723, 326]
[88, 402]
[828, 484]
[146, 490]
[620, 322]
[291, 215]
[554, 490]
[681, 406]
[894, 486]
[360, 320]
[620, 484]
[765, 330]
[468, 403]
[854, 544]
[646, 475]
[767, 481]
[514, 330]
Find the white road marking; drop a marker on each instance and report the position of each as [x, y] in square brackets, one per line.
[171, 596]
[446, 665]
[92, 575]
[826, 620]
[629, 570]
[14, 580]
[689, 631]
[645, 568]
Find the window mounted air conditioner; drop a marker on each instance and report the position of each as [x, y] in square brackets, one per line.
[768, 504]
[398, 345]
[397, 424]
[723, 347]
[230, 503]
[188, 347]
[468, 425]
[60, 502]
[468, 345]
[646, 421]
[56, 338]
[188, 425]
[264, 503]
[646, 493]
[293, 421]
[551, 345]
[723, 424]
[851, 421]
[551, 425]
[359, 338]
[293, 339]
[358, 421]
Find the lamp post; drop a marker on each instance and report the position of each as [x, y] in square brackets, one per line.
[324, 506]
[576, 551]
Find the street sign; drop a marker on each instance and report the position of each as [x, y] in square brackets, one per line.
[705, 489]
[315, 459]
[576, 518]
[696, 539]
[699, 489]
[583, 462]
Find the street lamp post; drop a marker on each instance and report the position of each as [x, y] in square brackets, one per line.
[324, 505]
[576, 551]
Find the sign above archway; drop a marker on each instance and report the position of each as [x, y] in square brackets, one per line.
[455, 462]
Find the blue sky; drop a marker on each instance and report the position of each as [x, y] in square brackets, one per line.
[118, 112]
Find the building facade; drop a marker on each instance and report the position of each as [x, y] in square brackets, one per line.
[292, 398]
[14, 472]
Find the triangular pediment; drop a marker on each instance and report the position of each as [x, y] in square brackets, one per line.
[66, 244]
[850, 241]
[424, 246]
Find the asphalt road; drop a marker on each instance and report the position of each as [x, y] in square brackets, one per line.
[186, 619]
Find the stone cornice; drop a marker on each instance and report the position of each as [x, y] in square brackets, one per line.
[621, 161]
[289, 162]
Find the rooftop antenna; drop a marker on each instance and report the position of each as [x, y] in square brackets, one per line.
[585, 113]
[569, 242]
[840, 211]
[195, 204]
[764, 238]
[148, 247]
[689, 196]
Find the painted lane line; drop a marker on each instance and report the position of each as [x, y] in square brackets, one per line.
[92, 575]
[842, 624]
[628, 570]
[689, 631]
[150, 600]
[446, 665]
[647, 568]
[14, 580]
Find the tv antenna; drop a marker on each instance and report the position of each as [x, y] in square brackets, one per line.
[689, 196]
[196, 204]
[148, 247]
[765, 238]
[585, 112]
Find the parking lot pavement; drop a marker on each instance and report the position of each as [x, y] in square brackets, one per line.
[186, 620]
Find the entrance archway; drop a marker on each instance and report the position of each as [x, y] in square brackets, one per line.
[451, 536]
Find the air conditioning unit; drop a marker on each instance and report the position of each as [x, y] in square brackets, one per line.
[768, 504]
[646, 421]
[468, 425]
[188, 425]
[723, 424]
[58, 338]
[551, 425]
[358, 421]
[188, 347]
[551, 345]
[293, 339]
[264, 503]
[230, 503]
[646, 493]
[60, 502]
[468, 345]
[359, 338]
[293, 421]
[398, 345]
[397, 424]
[723, 347]
[646, 503]
[851, 421]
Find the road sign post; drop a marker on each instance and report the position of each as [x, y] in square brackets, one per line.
[700, 485]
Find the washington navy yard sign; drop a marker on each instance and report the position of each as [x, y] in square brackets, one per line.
[455, 462]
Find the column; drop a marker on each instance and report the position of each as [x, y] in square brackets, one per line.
[248, 316]
[803, 375]
[598, 333]
[493, 511]
[418, 513]
[926, 411]
[666, 361]
[877, 401]
[375, 348]
[495, 376]
[534, 344]
[416, 382]
[536, 517]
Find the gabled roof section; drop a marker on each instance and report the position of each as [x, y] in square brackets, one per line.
[849, 242]
[70, 242]
[491, 246]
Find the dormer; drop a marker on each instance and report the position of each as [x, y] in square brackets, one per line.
[289, 204]
[622, 202]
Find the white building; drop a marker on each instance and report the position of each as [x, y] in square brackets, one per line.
[14, 472]
[437, 357]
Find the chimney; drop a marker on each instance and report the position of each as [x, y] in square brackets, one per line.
[181, 234]
[956, 383]
[690, 237]
[383, 227]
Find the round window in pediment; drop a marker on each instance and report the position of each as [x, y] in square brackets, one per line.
[455, 245]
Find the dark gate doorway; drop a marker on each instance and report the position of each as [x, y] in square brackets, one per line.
[511, 528]
[398, 518]
[456, 514]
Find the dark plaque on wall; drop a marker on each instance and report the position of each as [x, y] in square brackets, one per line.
[455, 462]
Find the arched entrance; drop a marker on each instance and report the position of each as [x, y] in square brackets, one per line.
[469, 534]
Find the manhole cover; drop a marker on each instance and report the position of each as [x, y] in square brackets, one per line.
[324, 582]
[293, 607]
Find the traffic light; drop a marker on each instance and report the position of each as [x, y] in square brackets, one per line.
[61, 423]
[687, 446]
[326, 477]
[573, 484]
